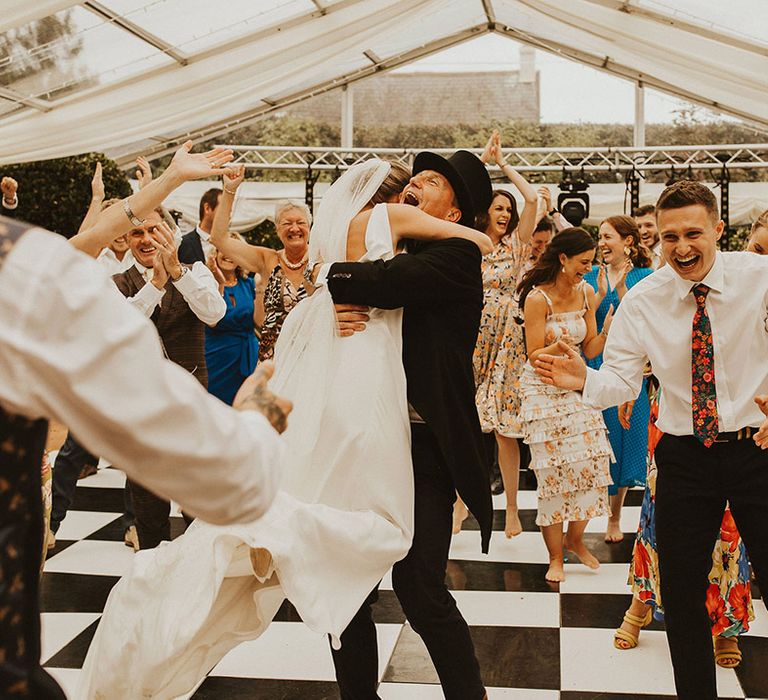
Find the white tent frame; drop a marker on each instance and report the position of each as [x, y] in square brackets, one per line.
[20, 12]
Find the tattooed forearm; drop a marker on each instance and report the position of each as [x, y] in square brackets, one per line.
[263, 401]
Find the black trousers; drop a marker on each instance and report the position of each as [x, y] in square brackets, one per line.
[419, 583]
[70, 460]
[693, 485]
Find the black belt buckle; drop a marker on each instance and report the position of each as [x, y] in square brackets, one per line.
[740, 434]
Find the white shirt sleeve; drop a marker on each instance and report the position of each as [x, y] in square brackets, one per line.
[200, 290]
[620, 377]
[322, 274]
[146, 299]
[72, 349]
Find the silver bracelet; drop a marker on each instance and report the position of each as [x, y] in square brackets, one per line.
[135, 220]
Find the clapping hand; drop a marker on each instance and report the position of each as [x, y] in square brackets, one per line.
[192, 166]
[566, 371]
[159, 272]
[254, 395]
[602, 282]
[608, 321]
[143, 172]
[761, 436]
[621, 282]
[213, 266]
[166, 247]
[232, 178]
[9, 187]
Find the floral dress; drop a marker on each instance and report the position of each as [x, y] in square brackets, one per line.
[570, 452]
[500, 351]
[729, 597]
[280, 296]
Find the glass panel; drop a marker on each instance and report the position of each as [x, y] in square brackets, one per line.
[196, 25]
[745, 18]
[71, 50]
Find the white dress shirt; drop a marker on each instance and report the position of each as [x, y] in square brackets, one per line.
[198, 287]
[111, 265]
[205, 240]
[655, 321]
[656, 256]
[73, 350]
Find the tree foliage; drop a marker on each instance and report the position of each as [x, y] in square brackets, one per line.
[55, 194]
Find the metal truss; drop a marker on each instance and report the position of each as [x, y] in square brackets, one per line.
[607, 159]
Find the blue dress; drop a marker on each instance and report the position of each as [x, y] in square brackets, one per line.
[232, 348]
[630, 447]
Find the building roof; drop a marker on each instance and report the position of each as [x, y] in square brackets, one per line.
[147, 74]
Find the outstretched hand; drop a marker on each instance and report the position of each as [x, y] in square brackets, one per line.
[97, 184]
[254, 395]
[143, 172]
[566, 371]
[233, 177]
[193, 166]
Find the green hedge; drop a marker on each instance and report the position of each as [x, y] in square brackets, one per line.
[55, 194]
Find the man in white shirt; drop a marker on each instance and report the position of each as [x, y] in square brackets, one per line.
[701, 320]
[71, 349]
[196, 245]
[645, 218]
[116, 257]
[180, 301]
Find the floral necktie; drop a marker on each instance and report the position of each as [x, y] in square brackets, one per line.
[703, 393]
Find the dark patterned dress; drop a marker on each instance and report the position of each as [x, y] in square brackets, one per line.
[280, 296]
[22, 444]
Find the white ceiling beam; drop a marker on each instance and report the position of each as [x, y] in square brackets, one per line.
[34, 102]
[490, 14]
[679, 23]
[320, 6]
[139, 32]
[277, 103]
[608, 65]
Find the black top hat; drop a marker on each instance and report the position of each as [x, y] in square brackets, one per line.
[468, 177]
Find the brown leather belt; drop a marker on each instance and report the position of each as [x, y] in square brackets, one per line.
[741, 434]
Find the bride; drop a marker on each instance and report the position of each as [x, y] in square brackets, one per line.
[344, 514]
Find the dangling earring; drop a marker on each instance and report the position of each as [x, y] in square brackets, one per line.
[627, 251]
[562, 269]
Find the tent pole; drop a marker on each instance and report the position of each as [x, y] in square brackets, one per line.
[639, 134]
[347, 116]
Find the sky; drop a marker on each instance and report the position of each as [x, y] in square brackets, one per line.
[572, 92]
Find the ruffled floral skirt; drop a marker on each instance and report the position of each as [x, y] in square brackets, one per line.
[570, 452]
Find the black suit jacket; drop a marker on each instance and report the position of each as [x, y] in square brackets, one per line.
[440, 288]
[191, 248]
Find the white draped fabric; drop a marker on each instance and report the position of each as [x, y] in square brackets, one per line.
[272, 65]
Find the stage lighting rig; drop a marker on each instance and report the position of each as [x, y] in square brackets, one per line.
[573, 200]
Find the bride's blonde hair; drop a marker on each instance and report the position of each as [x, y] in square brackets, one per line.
[393, 184]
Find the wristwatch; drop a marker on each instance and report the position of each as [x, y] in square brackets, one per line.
[135, 220]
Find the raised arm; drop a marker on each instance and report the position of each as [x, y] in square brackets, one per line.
[114, 221]
[410, 222]
[528, 221]
[251, 257]
[97, 197]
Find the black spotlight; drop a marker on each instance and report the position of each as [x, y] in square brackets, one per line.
[573, 200]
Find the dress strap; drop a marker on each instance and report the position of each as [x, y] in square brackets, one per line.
[546, 297]
[586, 298]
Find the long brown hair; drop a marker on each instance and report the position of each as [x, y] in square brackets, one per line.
[569, 242]
[626, 227]
[394, 183]
[484, 217]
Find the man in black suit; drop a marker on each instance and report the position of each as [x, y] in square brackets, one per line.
[439, 286]
[195, 246]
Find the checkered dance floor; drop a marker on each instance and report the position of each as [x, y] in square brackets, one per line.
[534, 640]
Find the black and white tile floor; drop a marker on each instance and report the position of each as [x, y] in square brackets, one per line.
[535, 641]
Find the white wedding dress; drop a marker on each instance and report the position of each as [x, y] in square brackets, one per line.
[344, 515]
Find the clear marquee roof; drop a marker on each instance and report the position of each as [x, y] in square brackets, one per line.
[138, 76]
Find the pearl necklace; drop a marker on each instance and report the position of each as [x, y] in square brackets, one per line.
[290, 265]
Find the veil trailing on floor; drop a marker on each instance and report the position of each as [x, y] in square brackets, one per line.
[304, 350]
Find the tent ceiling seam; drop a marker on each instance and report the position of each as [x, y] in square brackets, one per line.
[18, 98]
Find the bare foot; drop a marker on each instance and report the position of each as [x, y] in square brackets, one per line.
[581, 551]
[555, 573]
[512, 525]
[460, 514]
[613, 532]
